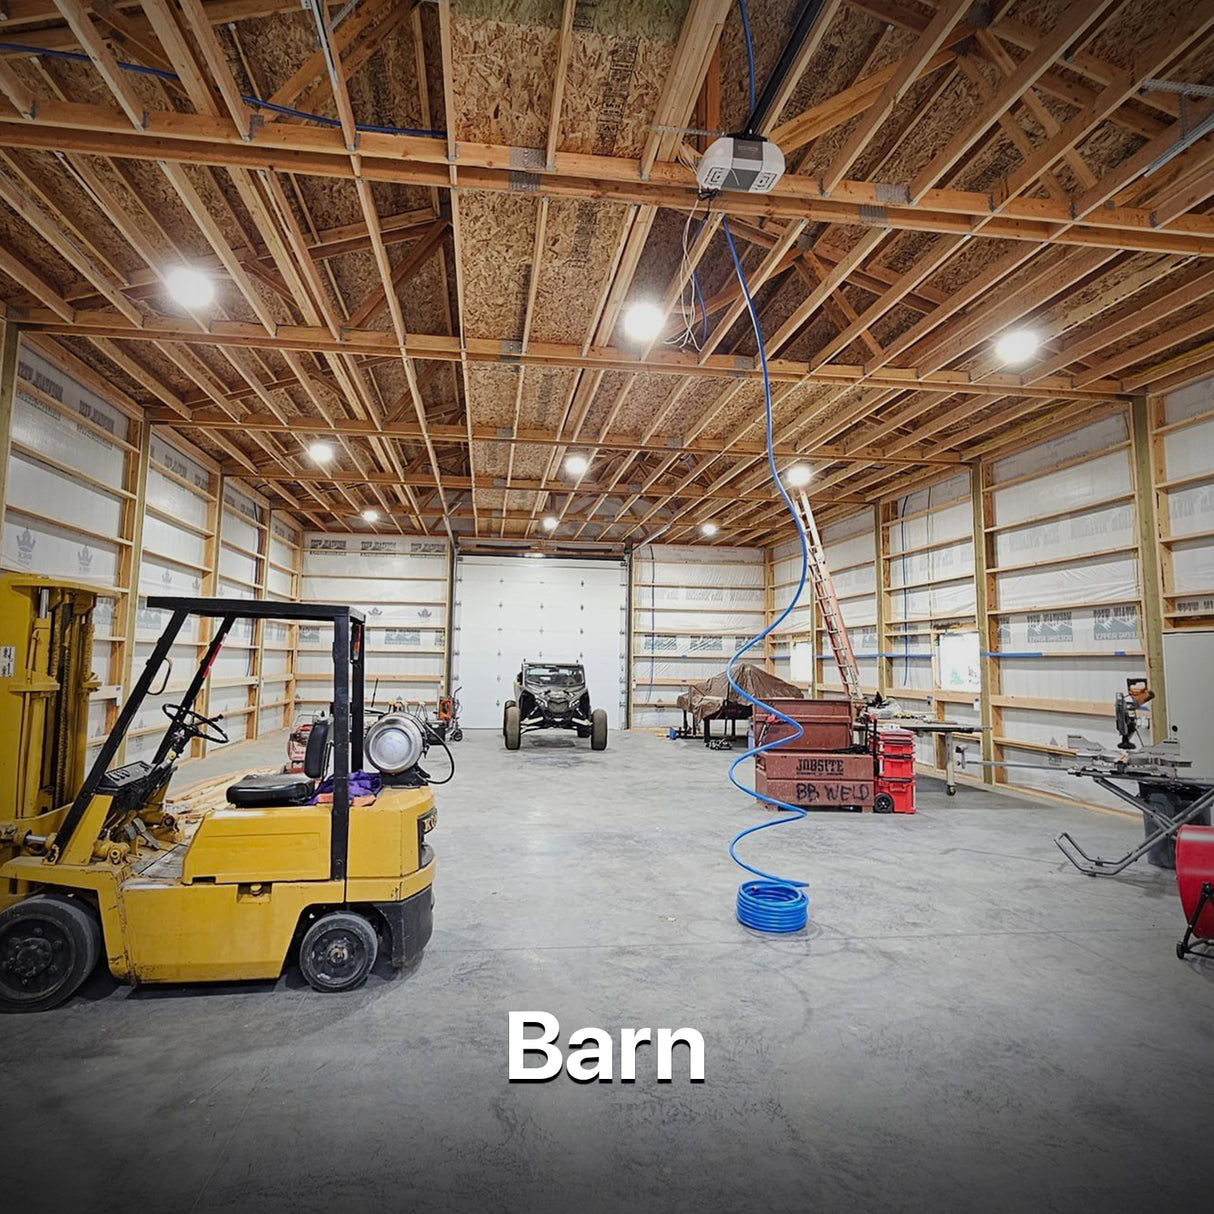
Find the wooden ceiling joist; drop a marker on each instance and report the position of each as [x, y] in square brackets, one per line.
[883, 278]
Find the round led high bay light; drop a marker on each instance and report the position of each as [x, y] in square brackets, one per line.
[643, 321]
[189, 287]
[1017, 347]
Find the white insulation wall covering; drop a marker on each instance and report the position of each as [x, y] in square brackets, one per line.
[400, 584]
[693, 607]
[1185, 472]
[850, 546]
[68, 489]
[1067, 597]
[278, 638]
[233, 685]
[932, 644]
[177, 547]
[792, 644]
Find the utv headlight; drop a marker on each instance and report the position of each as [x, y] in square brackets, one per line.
[394, 743]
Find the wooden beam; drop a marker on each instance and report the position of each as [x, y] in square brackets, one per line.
[217, 64]
[215, 421]
[375, 302]
[900, 81]
[10, 342]
[564, 48]
[66, 246]
[227, 334]
[988, 625]
[22, 273]
[81, 25]
[176, 137]
[1146, 515]
[22, 97]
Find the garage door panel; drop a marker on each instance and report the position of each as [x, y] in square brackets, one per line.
[509, 610]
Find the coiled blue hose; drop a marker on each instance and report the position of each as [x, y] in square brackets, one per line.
[770, 904]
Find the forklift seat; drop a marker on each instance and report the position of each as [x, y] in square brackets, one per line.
[271, 788]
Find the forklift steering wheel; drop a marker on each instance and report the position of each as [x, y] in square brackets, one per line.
[207, 728]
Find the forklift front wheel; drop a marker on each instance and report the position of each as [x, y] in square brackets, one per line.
[49, 945]
[338, 951]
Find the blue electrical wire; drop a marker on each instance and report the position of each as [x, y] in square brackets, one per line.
[750, 52]
[770, 904]
[159, 73]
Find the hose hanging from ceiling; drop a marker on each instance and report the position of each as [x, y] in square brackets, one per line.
[770, 903]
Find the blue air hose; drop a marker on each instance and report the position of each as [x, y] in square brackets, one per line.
[257, 103]
[771, 903]
[750, 52]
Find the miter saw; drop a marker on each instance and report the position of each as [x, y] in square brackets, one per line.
[1168, 795]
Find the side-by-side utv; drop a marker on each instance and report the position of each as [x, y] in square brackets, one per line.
[97, 864]
[552, 695]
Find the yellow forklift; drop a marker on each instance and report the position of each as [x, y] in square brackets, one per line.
[292, 865]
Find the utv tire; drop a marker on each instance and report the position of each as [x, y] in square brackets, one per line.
[506, 708]
[49, 944]
[583, 731]
[338, 951]
[598, 729]
[513, 727]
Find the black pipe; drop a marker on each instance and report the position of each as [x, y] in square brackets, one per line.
[806, 20]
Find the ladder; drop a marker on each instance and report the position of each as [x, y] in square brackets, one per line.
[828, 604]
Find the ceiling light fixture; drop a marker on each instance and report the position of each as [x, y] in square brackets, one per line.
[644, 321]
[1016, 347]
[189, 287]
[550, 522]
[371, 515]
[576, 465]
[798, 476]
[708, 528]
[322, 453]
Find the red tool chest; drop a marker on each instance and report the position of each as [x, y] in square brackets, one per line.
[790, 764]
[901, 793]
[827, 724]
[895, 756]
[820, 793]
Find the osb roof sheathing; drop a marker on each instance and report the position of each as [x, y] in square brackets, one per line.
[621, 57]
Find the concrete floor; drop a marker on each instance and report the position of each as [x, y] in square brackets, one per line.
[968, 1023]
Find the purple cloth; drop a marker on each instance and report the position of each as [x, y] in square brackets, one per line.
[362, 784]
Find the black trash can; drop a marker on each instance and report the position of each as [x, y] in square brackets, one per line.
[1169, 803]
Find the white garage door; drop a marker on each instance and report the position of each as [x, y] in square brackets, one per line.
[511, 609]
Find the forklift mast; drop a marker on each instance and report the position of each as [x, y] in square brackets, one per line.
[348, 654]
[46, 657]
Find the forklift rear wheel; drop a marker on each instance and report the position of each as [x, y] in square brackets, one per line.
[598, 729]
[513, 727]
[49, 945]
[338, 951]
